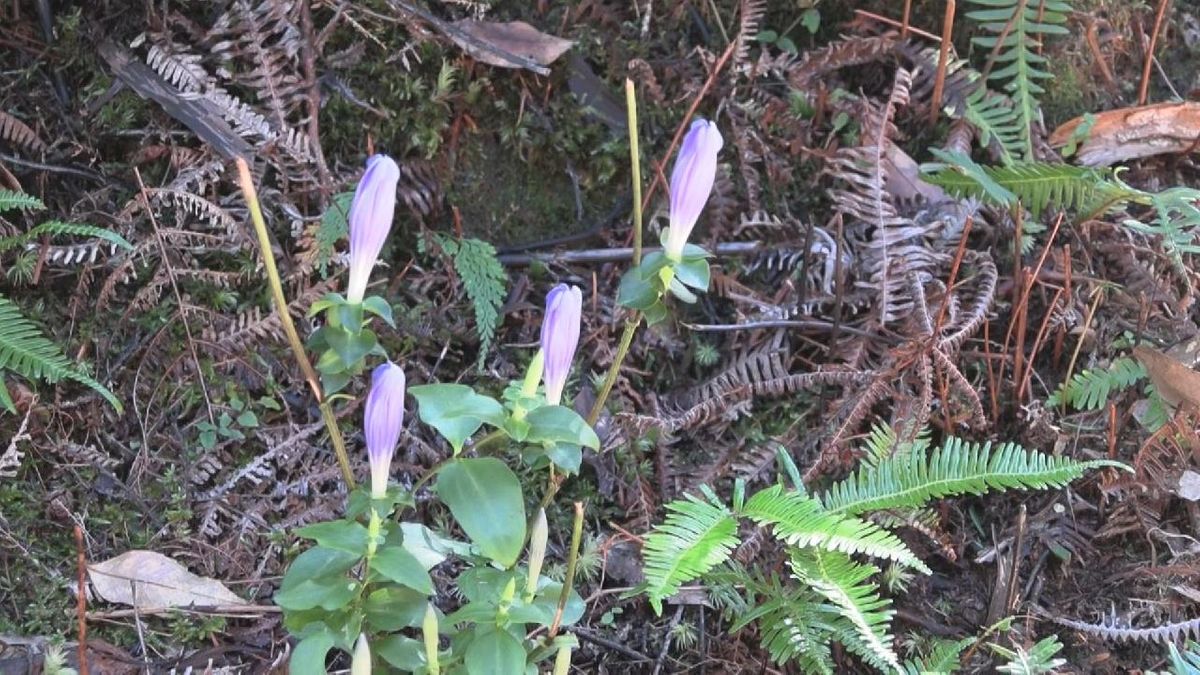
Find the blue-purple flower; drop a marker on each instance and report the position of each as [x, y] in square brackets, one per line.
[691, 182]
[382, 419]
[560, 337]
[370, 220]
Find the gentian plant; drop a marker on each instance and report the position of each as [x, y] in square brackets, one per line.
[680, 268]
[344, 341]
[365, 586]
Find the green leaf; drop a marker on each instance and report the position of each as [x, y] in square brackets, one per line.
[350, 347]
[495, 652]
[456, 411]
[429, 547]
[247, 419]
[309, 657]
[485, 498]
[10, 200]
[811, 20]
[401, 652]
[328, 300]
[339, 535]
[394, 608]
[636, 291]
[380, 308]
[316, 578]
[402, 567]
[560, 424]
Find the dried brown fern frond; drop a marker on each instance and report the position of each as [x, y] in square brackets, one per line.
[750, 16]
[844, 53]
[890, 245]
[19, 134]
[1112, 628]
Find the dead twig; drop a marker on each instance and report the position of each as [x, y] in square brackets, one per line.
[1144, 87]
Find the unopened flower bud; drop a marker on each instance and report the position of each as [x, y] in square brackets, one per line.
[691, 182]
[562, 660]
[538, 535]
[429, 632]
[383, 418]
[361, 663]
[560, 337]
[370, 220]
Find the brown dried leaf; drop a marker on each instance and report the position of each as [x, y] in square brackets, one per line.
[1175, 382]
[1130, 133]
[515, 37]
[149, 580]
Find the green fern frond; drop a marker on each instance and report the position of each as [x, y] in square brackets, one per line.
[1036, 184]
[1037, 660]
[846, 584]
[697, 535]
[1015, 27]
[1090, 389]
[58, 228]
[943, 658]
[484, 279]
[801, 521]
[10, 200]
[26, 352]
[957, 467]
[1186, 662]
[788, 628]
[994, 117]
[1176, 223]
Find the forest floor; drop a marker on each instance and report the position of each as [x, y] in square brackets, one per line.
[220, 452]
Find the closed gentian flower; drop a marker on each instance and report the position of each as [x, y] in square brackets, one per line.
[382, 420]
[361, 664]
[691, 182]
[370, 220]
[560, 337]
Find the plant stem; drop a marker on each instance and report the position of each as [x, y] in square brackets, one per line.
[611, 378]
[636, 164]
[631, 324]
[289, 328]
[572, 561]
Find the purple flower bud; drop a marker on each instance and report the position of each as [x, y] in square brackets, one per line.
[370, 220]
[560, 337]
[691, 182]
[382, 419]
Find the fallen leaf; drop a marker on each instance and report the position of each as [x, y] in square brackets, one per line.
[1131, 133]
[146, 580]
[492, 43]
[1176, 383]
[1189, 486]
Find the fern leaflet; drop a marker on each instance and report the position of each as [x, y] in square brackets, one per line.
[1090, 389]
[26, 352]
[1036, 184]
[55, 227]
[484, 279]
[1015, 26]
[696, 536]
[846, 584]
[957, 467]
[10, 200]
[801, 521]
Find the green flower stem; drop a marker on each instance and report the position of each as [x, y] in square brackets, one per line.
[635, 163]
[488, 440]
[572, 561]
[631, 325]
[281, 307]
